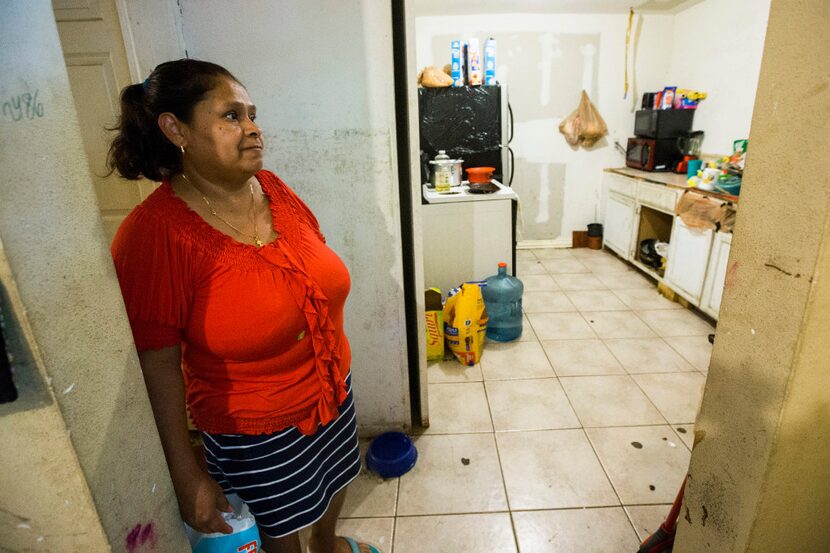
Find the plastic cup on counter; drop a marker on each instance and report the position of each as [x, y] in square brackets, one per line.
[694, 165]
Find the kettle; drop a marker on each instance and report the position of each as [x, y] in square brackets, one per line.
[445, 172]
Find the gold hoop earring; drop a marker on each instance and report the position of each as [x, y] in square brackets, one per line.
[182, 149]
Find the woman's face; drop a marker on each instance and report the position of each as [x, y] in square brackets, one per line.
[223, 141]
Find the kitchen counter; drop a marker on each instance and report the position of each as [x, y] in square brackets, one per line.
[669, 179]
[462, 194]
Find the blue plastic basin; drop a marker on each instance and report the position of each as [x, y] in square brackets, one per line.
[391, 454]
[732, 187]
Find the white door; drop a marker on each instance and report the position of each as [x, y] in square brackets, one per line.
[96, 62]
[619, 223]
[716, 274]
[688, 258]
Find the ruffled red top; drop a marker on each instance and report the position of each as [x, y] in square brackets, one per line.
[261, 329]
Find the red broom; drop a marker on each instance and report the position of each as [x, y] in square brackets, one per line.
[662, 541]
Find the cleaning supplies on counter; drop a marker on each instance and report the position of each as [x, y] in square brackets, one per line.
[724, 175]
[503, 301]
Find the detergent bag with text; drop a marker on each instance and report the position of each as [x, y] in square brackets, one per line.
[465, 323]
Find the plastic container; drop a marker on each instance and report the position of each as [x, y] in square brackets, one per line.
[245, 536]
[391, 454]
[594, 229]
[503, 300]
[480, 174]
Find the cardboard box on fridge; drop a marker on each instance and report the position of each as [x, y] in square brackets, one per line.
[434, 324]
[457, 62]
[490, 62]
[474, 72]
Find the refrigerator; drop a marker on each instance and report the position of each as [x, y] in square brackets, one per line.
[473, 123]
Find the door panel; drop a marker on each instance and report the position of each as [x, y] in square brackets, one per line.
[688, 259]
[716, 275]
[76, 10]
[96, 62]
[619, 223]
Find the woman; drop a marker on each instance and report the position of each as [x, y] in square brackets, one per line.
[236, 305]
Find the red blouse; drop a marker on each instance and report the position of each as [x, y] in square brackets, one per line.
[261, 329]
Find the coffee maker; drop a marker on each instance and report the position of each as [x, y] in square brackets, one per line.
[689, 147]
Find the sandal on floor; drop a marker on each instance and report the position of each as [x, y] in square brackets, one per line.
[356, 548]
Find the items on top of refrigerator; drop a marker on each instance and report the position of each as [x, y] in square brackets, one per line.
[433, 77]
[672, 97]
[474, 73]
[490, 61]
[457, 62]
[470, 65]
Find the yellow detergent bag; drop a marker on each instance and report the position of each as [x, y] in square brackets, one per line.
[434, 325]
[465, 323]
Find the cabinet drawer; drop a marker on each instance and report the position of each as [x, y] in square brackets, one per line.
[622, 185]
[657, 196]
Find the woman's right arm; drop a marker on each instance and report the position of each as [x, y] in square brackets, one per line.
[200, 497]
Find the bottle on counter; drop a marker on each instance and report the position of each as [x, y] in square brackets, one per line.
[503, 301]
[443, 172]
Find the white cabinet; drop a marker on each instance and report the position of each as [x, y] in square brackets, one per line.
[716, 274]
[619, 223]
[465, 241]
[688, 259]
[638, 209]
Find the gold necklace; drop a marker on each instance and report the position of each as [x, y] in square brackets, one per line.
[259, 243]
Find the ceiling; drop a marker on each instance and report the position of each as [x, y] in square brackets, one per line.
[467, 7]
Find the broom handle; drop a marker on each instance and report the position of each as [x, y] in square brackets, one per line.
[671, 520]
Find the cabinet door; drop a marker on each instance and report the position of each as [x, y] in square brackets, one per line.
[619, 223]
[688, 259]
[716, 274]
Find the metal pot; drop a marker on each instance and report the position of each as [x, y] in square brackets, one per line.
[454, 167]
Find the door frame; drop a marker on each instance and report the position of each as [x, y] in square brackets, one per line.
[409, 187]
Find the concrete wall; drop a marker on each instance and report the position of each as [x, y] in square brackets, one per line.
[758, 475]
[76, 475]
[717, 47]
[321, 76]
[546, 59]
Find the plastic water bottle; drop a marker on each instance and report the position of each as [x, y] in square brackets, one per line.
[503, 300]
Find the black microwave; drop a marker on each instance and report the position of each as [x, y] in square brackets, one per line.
[652, 154]
[663, 123]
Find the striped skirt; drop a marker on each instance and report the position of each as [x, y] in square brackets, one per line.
[287, 479]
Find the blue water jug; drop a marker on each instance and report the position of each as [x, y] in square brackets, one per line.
[503, 300]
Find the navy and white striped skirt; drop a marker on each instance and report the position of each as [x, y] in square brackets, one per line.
[287, 479]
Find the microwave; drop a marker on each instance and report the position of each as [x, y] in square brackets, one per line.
[663, 123]
[652, 154]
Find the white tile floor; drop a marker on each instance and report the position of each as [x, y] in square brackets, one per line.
[573, 439]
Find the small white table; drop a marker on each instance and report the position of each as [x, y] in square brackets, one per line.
[466, 235]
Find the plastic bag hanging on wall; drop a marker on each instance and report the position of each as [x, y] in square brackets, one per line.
[585, 125]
